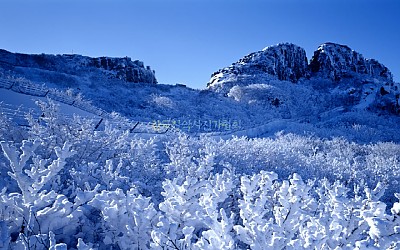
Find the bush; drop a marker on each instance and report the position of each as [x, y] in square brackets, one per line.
[73, 185]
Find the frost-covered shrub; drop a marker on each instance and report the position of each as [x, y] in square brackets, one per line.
[288, 215]
[162, 101]
[310, 156]
[30, 211]
[280, 98]
[127, 219]
[56, 172]
[193, 216]
[73, 184]
[9, 131]
[110, 155]
[205, 209]
[191, 156]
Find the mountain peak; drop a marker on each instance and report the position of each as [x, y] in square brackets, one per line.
[288, 62]
[363, 83]
[284, 61]
[336, 61]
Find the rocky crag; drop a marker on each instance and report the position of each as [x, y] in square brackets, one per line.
[366, 81]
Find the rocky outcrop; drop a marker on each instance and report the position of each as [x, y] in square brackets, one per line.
[371, 83]
[121, 68]
[289, 62]
[283, 62]
[362, 83]
[126, 69]
[335, 61]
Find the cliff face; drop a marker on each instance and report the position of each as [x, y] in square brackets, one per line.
[283, 62]
[288, 62]
[125, 69]
[335, 61]
[120, 68]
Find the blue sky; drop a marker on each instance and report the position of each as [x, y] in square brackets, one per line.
[186, 41]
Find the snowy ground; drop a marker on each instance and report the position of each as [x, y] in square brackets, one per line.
[305, 172]
[26, 102]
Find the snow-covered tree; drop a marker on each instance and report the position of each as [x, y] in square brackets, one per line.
[127, 218]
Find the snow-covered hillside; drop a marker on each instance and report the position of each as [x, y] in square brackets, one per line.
[275, 83]
[276, 153]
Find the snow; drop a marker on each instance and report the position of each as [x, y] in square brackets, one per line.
[27, 102]
[310, 165]
[367, 102]
[396, 208]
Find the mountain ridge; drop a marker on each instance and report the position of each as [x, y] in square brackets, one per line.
[122, 68]
[332, 59]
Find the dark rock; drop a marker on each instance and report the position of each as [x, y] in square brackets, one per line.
[337, 61]
[383, 91]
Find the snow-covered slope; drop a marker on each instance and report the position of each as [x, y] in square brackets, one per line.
[330, 93]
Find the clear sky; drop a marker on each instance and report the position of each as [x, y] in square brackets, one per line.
[185, 41]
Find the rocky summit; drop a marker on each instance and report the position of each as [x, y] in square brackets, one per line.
[364, 83]
[337, 61]
[289, 62]
[283, 62]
